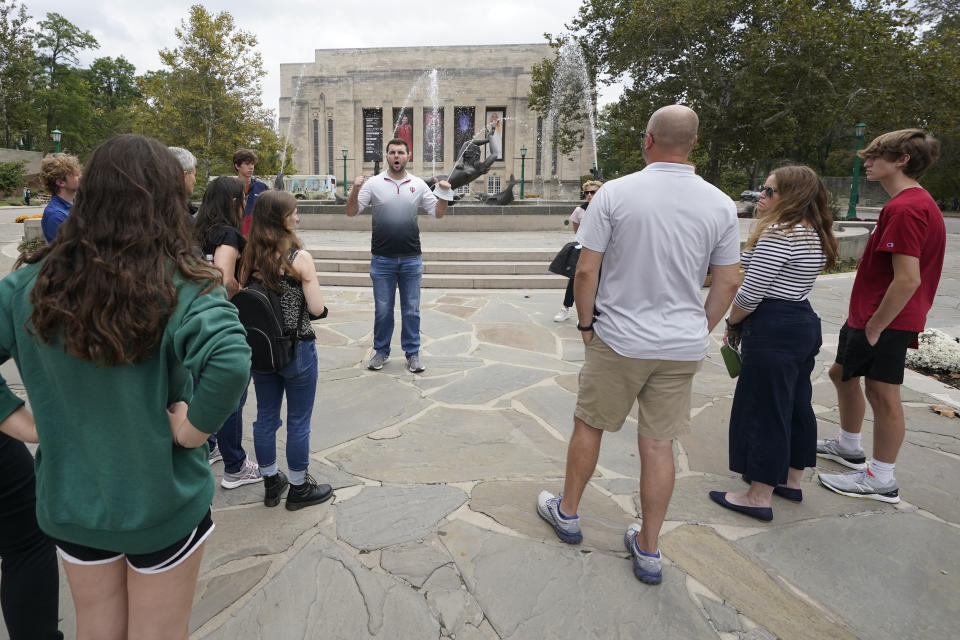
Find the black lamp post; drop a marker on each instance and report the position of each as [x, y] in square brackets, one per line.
[523, 165]
[343, 152]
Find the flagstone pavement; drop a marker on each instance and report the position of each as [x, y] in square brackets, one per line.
[433, 531]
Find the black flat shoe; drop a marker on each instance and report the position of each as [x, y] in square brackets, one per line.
[760, 513]
[793, 495]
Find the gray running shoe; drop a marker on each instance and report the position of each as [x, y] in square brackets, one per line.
[413, 363]
[214, 455]
[377, 361]
[831, 450]
[248, 474]
[567, 529]
[860, 484]
[645, 567]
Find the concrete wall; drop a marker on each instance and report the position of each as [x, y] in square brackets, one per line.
[32, 158]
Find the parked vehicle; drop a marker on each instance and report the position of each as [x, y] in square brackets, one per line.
[749, 196]
[310, 187]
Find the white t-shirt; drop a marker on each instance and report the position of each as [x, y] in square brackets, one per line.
[659, 229]
[395, 202]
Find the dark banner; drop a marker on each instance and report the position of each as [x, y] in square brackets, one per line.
[433, 135]
[372, 135]
[463, 119]
[403, 127]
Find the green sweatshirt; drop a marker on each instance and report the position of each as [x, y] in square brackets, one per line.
[108, 473]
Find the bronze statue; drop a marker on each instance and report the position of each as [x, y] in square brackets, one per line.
[501, 199]
[469, 167]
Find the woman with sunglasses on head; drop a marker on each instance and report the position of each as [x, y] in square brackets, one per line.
[109, 325]
[217, 230]
[275, 257]
[589, 189]
[773, 430]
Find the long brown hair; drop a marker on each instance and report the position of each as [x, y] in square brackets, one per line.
[270, 242]
[107, 285]
[803, 199]
[222, 206]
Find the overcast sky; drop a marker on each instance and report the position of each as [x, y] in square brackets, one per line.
[288, 31]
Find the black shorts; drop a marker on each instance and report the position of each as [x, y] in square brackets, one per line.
[882, 362]
[155, 562]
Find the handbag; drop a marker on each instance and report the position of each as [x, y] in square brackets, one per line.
[565, 262]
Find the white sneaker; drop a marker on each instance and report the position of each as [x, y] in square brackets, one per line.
[562, 315]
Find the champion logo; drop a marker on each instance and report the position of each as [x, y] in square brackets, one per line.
[412, 190]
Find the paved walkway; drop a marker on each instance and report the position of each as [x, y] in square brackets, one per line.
[433, 533]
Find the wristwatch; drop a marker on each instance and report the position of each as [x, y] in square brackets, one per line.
[733, 326]
[587, 328]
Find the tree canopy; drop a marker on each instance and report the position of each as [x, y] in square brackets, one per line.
[771, 80]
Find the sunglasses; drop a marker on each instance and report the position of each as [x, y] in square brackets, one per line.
[590, 193]
[767, 191]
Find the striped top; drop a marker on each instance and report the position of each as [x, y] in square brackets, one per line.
[783, 265]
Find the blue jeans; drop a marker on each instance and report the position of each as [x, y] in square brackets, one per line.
[299, 381]
[388, 274]
[230, 439]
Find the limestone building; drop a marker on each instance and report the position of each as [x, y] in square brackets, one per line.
[354, 100]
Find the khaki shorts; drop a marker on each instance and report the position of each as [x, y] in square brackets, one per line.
[610, 382]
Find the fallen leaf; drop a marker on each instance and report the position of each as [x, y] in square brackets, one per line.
[955, 376]
[946, 412]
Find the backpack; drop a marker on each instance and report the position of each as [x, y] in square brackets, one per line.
[272, 347]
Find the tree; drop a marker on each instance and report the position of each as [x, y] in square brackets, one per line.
[207, 98]
[64, 97]
[114, 94]
[12, 176]
[770, 79]
[17, 72]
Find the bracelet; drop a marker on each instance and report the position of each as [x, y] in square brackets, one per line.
[587, 328]
[733, 326]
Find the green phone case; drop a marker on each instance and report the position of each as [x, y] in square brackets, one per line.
[731, 358]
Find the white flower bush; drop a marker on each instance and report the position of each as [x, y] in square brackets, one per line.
[938, 352]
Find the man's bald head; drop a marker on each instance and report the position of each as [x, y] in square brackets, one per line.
[674, 128]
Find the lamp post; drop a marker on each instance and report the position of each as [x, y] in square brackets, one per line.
[523, 165]
[343, 152]
[56, 134]
[858, 129]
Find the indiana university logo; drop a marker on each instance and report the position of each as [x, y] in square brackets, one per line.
[412, 189]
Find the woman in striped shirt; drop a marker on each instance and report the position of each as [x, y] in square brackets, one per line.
[772, 426]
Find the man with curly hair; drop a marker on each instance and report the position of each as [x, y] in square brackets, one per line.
[60, 174]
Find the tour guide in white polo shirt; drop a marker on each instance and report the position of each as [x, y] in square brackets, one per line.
[643, 322]
[395, 196]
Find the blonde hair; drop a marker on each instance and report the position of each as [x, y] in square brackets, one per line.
[803, 198]
[591, 183]
[58, 166]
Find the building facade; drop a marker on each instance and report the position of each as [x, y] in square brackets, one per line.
[348, 103]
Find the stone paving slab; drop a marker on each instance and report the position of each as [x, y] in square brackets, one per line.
[533, 590]
[723, 568]
[865, 566]
[513, 503]
[457, 445]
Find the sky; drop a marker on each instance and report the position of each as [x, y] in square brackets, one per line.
[290, 30]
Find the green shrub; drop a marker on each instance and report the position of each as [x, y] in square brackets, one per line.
[12, 176]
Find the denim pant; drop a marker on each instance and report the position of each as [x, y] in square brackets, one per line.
[29, 585]
[299, 380]
[388, 274]
[772, 424]
[230, 437]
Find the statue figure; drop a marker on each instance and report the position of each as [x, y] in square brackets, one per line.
[469, 167]
[501, 199]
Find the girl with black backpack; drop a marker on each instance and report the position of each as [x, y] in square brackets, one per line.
[275, 258]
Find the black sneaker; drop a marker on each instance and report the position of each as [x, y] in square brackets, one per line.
[308, 494]
[273, 487]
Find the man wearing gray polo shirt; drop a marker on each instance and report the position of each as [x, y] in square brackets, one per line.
[643, 322]
[395, 263]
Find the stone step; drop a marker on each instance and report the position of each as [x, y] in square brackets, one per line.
[445, 255]
[453, 281]
[457, 267]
